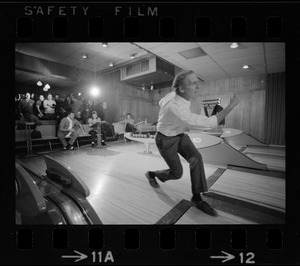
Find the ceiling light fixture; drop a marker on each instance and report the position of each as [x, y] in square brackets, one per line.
[39, 83]
[234, 45]
[111, 64]
[47, 86]
[104, 44]
[245, 66]
[132, 55]
[151, 88]
[84, 56]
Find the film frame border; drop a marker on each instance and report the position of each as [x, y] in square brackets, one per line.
[181, 236]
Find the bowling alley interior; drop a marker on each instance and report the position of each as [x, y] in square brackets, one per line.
[97, 174]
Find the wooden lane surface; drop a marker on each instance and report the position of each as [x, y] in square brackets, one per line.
[120, 193]
[276, 163]
[268, 150]
[119, 190]
[195, 216]
[231, 211]
[262, 190]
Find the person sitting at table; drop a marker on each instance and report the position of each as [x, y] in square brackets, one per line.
[67, 128]
[93, 120]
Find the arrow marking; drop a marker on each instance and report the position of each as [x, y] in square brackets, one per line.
[227, 257]
[80, 257]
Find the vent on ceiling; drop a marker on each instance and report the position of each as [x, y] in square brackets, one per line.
[192, 53]
[151, 70]
[138, 67]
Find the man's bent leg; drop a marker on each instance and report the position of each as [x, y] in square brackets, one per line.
[198, 179]
[74, 136]
[168, 148]
[61, 137]
[188, 151]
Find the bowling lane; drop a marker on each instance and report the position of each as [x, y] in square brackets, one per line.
[262, 190]
[242, 197]
[276, 163]
[195, 216]
[269, 150]
[120, 192]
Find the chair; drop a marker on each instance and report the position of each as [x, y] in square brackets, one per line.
[120, 130]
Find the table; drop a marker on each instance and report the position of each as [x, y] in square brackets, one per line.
[97, 126]
[146, 141]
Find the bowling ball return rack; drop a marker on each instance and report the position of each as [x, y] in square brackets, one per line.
[57, 197]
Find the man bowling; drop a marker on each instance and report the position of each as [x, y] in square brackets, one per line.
[174, 119]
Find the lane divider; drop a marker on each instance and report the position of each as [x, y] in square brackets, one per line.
[175, 213]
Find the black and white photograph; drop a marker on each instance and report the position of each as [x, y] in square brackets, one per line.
[150, 133]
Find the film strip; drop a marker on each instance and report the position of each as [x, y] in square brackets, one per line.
[163, 242]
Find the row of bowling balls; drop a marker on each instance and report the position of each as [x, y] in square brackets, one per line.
[143, 135]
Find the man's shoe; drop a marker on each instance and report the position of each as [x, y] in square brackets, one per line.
[71, 147]
[151, 180]
[93, 145]
[103, 143]
[204, 206]
[65, 148]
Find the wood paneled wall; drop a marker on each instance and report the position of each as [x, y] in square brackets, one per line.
[122, 98]
[247, 116]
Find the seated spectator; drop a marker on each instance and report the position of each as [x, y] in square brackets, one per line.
[68, 128]
[49, 105]
[129, 123]
[93, 131]
[39, 107]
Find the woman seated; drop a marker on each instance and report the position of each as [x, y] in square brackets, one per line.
[92, 121]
